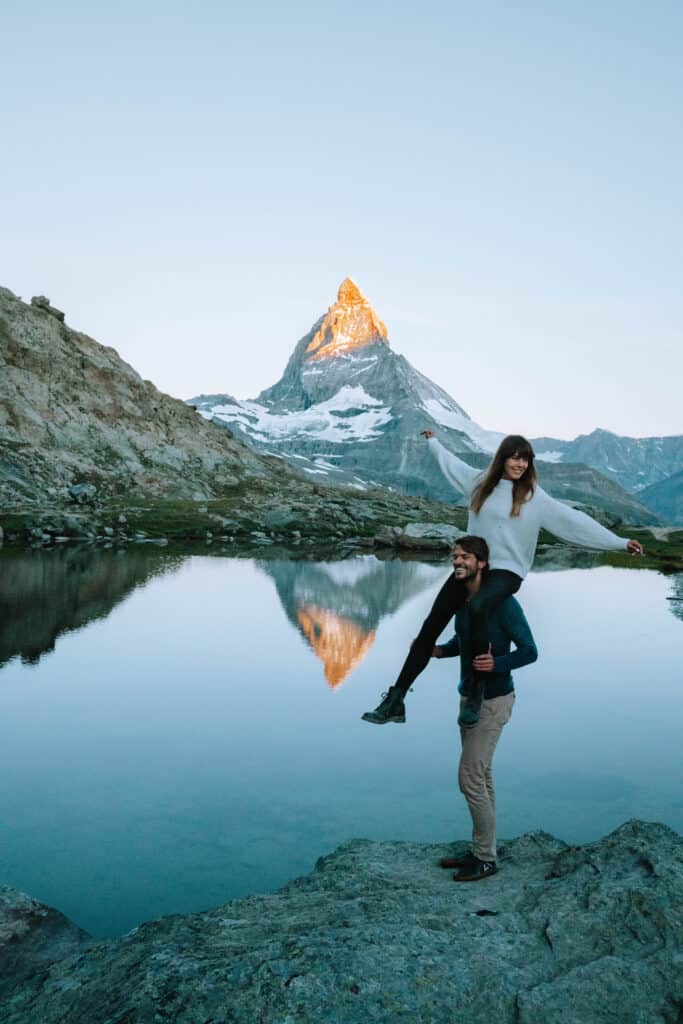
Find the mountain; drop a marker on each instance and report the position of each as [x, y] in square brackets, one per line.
[337, 606]
[634, 462]
[666, 498]
[73, 414]
[348, 409]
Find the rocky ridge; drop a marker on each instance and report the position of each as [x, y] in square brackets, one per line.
[378, 932]
[78, 425]
[633, 462]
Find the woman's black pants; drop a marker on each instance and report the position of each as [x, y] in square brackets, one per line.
[498, 585]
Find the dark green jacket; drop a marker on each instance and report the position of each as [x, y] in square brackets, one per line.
[507, 625]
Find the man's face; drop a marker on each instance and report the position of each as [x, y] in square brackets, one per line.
[465, 565]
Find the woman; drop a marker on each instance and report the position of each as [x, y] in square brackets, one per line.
[508, 509]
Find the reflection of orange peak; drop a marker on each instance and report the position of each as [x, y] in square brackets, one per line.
[349, 324]
[339, 643]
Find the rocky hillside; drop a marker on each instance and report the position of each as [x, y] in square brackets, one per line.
[77, 422]
[349, 410]
[378, 932]
[666, 498]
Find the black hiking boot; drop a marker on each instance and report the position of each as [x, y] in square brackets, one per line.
[390, 709]
[470, 712]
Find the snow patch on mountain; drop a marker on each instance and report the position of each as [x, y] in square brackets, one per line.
[549, 456]
[488, 440]
[350, 415]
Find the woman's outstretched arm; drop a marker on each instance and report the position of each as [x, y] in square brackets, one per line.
[578, 528]
[457, 472]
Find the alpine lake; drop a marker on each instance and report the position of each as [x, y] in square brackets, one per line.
[183, 726]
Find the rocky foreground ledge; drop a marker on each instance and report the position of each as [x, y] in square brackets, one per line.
[378, 932]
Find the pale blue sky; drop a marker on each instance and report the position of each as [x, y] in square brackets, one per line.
[191, 184]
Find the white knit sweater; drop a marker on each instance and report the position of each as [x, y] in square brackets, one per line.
[512, 539]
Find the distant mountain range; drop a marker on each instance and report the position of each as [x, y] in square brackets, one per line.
[349, 410]
[634, 462]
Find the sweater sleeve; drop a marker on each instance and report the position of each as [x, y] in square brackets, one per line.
[517, 628]
[576, 527]
[457, 472]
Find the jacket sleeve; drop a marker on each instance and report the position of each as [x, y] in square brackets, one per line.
[451, 648]
[520, 634]
[458, 473]
[576, 527]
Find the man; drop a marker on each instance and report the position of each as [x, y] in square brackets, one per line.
[507, 625]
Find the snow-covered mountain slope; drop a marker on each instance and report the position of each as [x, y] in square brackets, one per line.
[348, 409]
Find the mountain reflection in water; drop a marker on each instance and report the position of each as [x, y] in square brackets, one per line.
[44, 594]
[337, 606]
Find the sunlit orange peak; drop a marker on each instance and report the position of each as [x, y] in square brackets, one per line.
[349, 324]
[339, 643]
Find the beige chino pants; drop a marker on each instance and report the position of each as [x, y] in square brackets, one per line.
[475, 776]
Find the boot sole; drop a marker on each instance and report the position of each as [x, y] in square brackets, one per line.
[383, 721]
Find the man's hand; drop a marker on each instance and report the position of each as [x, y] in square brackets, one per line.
[437, 652]
[483, 662]
[635, 547]
[427, 433]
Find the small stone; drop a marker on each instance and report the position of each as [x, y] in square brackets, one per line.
[42, 302]
[83, 493]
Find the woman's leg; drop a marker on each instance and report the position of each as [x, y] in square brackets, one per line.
[451, 597]
[496, 588]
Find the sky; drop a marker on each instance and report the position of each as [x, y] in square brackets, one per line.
[191, 183]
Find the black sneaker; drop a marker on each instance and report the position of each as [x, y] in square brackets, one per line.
[390, 709]
[476, 871]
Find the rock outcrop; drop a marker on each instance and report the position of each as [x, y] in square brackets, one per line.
[378, 932]
[78, 424]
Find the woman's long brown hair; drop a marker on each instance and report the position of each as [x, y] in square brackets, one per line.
[522, 489]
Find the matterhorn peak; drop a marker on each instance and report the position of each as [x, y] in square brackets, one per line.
[349, 324]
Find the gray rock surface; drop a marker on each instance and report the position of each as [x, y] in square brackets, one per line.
[379, 933]
[76, 422]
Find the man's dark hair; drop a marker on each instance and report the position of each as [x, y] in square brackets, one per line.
[476, 546]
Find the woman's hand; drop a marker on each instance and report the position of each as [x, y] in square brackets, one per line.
[427, 433]
[635, 547]
[437, 652]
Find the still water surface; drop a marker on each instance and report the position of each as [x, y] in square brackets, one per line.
[181, 730]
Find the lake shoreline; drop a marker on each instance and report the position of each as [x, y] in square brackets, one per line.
[375, 521]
